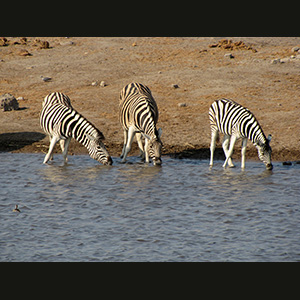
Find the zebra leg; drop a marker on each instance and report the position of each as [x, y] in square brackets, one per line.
[65, 148]
[140, 144]
[230, 151]
[130, 137]
[225, 145]
[214, 136]
[125, 142]
[54, 140]
[146, 150]
[50, 138]
[244, 145]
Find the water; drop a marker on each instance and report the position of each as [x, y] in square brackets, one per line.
[182, 211]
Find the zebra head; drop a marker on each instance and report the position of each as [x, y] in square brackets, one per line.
[264, 152]
[155, 146]
[97, 150]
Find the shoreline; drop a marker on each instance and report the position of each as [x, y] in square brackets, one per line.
[37, 142]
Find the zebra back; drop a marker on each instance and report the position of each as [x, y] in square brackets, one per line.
[229, 117]
[57, 97]
[138, 108]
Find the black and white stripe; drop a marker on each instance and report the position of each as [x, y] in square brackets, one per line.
[62, 122]
[235, 122]
[138, 114]
[57, 97]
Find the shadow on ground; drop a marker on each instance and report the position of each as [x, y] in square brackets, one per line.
[17, 140]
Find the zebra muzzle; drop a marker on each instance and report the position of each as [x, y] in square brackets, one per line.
[109, 161]
[157, 161]
[269, 166]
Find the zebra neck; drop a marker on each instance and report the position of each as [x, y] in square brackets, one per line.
[258, 137]
[81, 129]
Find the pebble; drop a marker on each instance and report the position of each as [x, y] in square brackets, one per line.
[295, 49]
[276, 61]
[20, 98]
[103, 83]
[24, 53]
[94, 83]
[182, 104]
[68, 43]
[46, 78]
[175, 86]
[229, 55]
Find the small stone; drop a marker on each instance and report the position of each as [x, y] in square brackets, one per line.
[68, 43]
[103, 83]
[24, 52]
[275, 61]
[287, 163]
[94, 83]
[44, 45]
[182, 104]
[134, 44]
[229, 55]
[175, 86]
[284, 60]
[45, 78]
[295, 49]
[20, 98]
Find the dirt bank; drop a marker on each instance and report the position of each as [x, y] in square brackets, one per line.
[259, 73]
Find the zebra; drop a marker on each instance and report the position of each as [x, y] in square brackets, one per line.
[235, 122]
[52, 98]
[62, 122]
[138, 115]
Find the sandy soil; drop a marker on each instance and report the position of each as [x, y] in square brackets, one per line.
[196, 64]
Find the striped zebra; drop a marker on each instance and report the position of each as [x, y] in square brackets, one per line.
[138, 116]
[235, 122]
[57, 97]
[62, 122]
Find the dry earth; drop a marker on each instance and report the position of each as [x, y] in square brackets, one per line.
[198, 65]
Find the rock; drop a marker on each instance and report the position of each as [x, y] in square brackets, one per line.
[103, 83]
[3, 41]
[24, 52]
[228, 55]
[23, 41]
[94, 83]
[134, 44]
[287, 163]
[9, 102]
[284, 60]
[295, 49]
[44, 45]
[275, 61]
[68, 43]
[20, 98]
[175, 86]
[182, 105]
[45, 78]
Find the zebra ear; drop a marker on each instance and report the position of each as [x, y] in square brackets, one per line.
[159, 132]
[269, 138]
